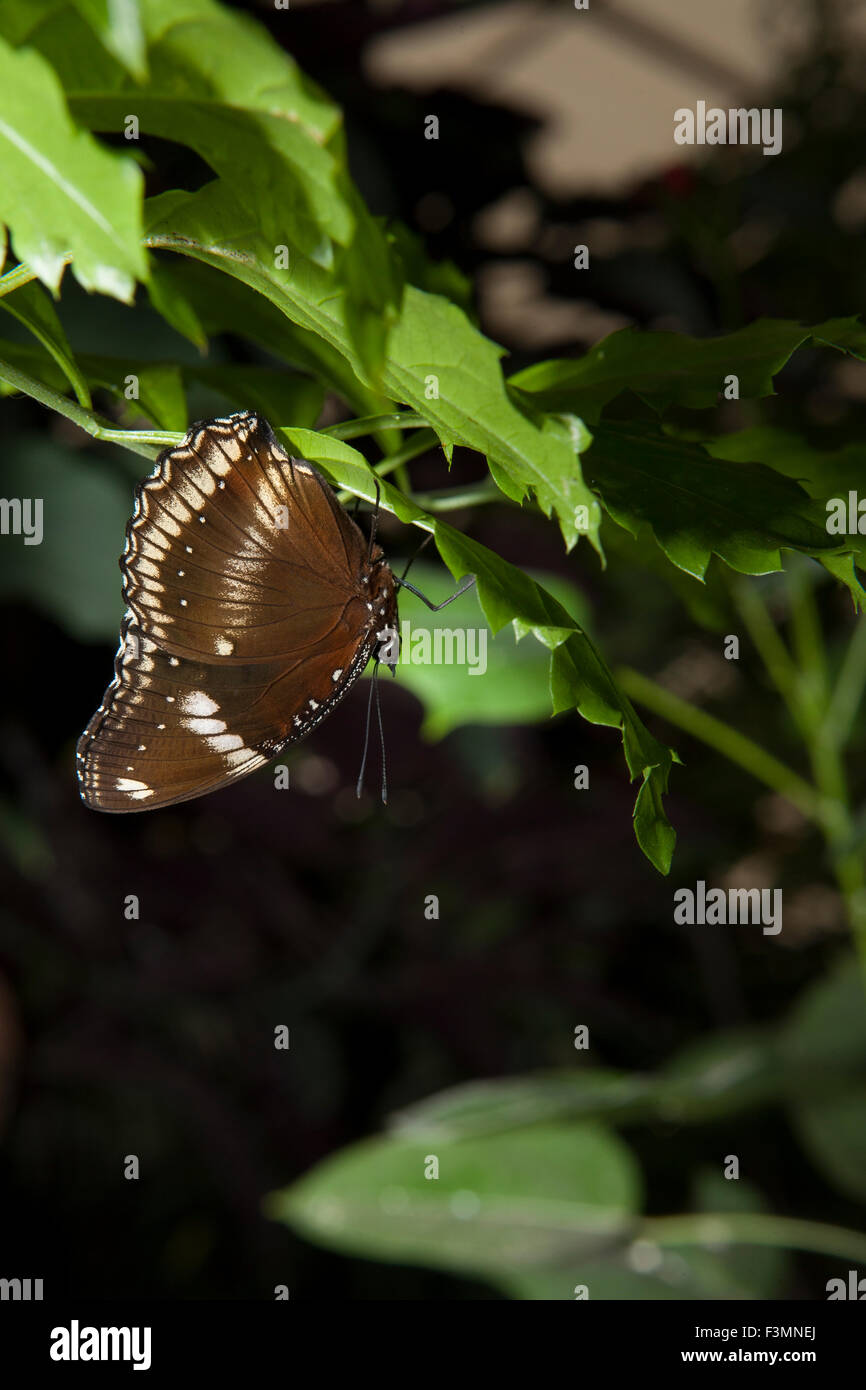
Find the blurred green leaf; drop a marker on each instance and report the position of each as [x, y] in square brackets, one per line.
[510, 1102]
[832, 1130]
[824, 1039]
[719, 1076]
[157, 388]
[282, 397]
[826, 1029]
[482, 678]
[73, 576]
[738, 1271]
[524, 1200]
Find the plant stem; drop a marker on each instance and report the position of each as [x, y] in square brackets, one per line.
[450, 499]
[755, 1228]
[809, 648]
[824, 719]
[848, 692]
[144, 442]
[394, 462]
[778, 661]
[825, 743]
[725, 740]
[371, 424]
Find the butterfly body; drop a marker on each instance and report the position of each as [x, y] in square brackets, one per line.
[254, 603]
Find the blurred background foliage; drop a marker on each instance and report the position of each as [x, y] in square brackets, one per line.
[155, 1036]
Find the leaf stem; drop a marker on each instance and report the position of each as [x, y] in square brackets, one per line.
[371, 424]
[144, 442]
[450, 499]
[15, 278]
[729, 742]
[755, 1228]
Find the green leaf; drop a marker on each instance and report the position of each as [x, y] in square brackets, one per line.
[826, 1029]
[667, 369]
[222, 86]
[579, 678]
[281, 397]
[62, 194]
[719, 1076]
[699, 505]
[736, 1271]
[162, 389]
[80, 499]
[117, 25]
[846, 334]
[512, 1102]
[832, 1130]
[525, 1200]
[823, 1043]
[169, 297]
[30, 305]
[436, 361]
[278, 395]
[825, 475]
[433, 342]
[197, 298]
[646, 1271]
[664, 369]
[159, 385]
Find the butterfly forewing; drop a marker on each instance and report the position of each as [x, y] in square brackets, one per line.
[253, 605]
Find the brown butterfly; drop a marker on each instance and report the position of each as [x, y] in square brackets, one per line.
[254, 603]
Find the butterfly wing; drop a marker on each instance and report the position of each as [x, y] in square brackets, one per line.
[249, 616]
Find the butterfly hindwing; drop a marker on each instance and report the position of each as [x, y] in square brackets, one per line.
[253, 606]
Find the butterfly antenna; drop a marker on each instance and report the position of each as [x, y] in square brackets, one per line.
[360, 785]
[412, 558]
[381, 737]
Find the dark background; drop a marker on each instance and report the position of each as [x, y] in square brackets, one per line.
[155, 1037]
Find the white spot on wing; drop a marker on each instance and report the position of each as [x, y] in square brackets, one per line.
[205, 727]
[228, 743]
[139, 791]
[198, 703]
